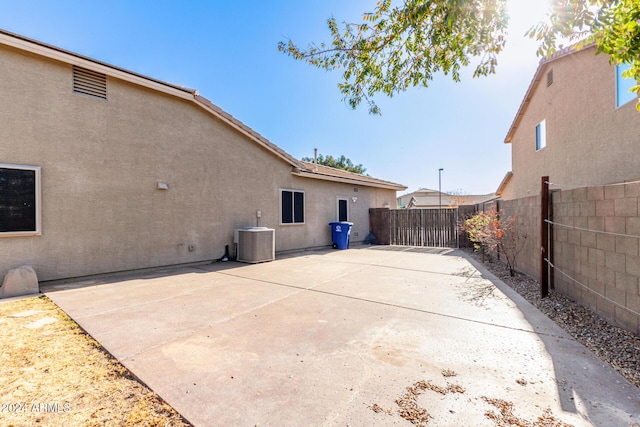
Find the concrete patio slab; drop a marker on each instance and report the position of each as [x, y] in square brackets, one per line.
[335, 338]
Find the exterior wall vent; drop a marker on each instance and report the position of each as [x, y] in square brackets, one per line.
[549, 78]
[255, 244]
[87, 82]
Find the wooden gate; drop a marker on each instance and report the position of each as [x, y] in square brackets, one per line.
[424, 227]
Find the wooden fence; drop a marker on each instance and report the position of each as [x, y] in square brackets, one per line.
[424, 227]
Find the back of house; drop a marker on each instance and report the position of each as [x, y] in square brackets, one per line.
[103, 170]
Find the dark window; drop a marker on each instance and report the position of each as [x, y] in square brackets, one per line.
[292, 207]
[19, 210]
[287, 207]
[342, 210]
[298, 207]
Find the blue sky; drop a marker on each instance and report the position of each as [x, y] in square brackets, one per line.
[227, 50]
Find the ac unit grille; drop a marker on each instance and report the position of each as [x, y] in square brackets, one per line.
[256, 244]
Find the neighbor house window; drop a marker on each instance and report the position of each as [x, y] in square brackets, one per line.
[292, 207]
[623, 85]
[343, 209]
[541, 135]
[19, 200]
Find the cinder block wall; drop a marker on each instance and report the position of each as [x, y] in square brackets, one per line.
[595, 247]
[600, 267]
[527, 212]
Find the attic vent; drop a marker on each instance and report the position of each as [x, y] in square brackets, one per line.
[550, 78]
[89, 82]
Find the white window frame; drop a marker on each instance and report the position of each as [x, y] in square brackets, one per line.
[38, 197]
[541, 135]
[338, 208]
[304, 206]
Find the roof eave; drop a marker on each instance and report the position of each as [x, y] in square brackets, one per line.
[354, 181]
[246, 130]
[52, 52]
[569, 50]
[39, 48]
[503, 183]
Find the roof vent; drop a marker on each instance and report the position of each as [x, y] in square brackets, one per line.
[89, 82]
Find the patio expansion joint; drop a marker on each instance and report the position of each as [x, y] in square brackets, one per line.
[236, 315]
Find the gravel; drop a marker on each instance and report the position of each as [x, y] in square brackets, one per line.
[616, 346]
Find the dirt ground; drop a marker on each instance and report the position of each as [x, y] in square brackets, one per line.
[53, 374]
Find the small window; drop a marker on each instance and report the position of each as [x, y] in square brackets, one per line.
[292, 207]
[623, 86]
[343, 209]
[91, 83]
[19, 200]
[541, 135]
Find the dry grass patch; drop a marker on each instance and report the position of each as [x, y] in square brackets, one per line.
[53, 374]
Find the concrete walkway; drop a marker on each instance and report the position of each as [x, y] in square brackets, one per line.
[335, 337]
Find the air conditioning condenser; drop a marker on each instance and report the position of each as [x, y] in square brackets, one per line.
[255, 244]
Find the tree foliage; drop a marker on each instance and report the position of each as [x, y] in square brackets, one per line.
[612, 25]
[395, 48]
[339, 163]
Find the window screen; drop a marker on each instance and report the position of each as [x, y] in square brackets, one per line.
[298, 207]
[19, 209]
[342, 210]
[292, 207]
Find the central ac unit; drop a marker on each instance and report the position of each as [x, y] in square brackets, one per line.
[255, 244]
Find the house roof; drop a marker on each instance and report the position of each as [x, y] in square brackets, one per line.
[503, 184]
[421, 191]
[312, 170]
[542, 66]
[298, 167]
[450, 200]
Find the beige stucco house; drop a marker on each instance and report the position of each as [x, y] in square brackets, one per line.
[577, 124]
[425, 198]
[104, 170]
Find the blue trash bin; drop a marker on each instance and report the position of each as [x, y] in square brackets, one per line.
[340, 232]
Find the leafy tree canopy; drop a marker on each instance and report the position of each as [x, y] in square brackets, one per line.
[395, 48]
[339, 163]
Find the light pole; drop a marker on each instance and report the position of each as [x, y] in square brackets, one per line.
[440, 188]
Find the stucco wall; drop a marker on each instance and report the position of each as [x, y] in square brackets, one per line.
[589, 140]
[101, 161]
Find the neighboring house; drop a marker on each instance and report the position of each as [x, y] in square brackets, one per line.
[448, 201]
[432, 199]
[577, 124]
[403, 200]
[104, 170]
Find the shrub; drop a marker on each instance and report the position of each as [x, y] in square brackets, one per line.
[491, 233]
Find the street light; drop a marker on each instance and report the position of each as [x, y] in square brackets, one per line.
[440, 188]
